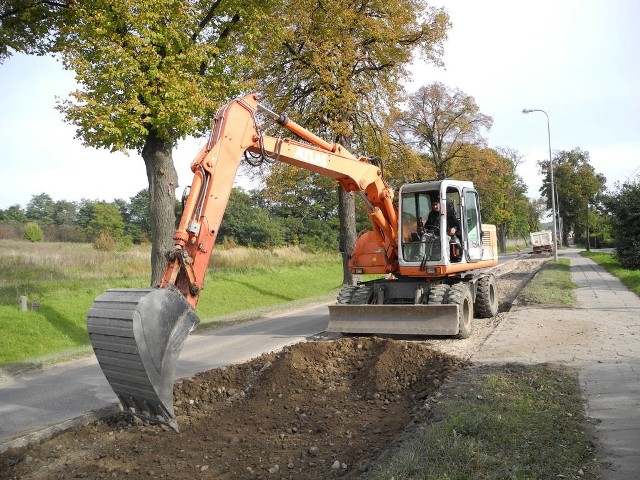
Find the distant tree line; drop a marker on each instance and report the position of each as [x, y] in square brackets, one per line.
[251, 219]
[300, 208]
[117, 222]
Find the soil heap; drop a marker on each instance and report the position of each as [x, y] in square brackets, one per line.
[315, 410]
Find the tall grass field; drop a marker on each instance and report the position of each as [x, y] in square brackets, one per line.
[64, 279]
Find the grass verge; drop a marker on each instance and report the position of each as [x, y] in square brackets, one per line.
[631, 278]
[500, 423]
[552, 285]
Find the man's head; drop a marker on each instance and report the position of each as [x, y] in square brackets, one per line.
[435, 205]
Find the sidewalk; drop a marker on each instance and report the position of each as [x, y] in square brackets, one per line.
[601, 338]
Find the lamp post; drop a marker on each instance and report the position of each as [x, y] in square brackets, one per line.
[553, 196]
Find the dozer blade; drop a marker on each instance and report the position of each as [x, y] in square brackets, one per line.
[137, 336]
[394, 319]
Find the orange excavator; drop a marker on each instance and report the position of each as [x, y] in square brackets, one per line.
[430, 249]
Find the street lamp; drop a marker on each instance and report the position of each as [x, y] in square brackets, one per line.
[553, 196]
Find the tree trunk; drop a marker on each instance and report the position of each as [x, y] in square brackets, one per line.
[347, 214]
[502, 238]
[163, 181]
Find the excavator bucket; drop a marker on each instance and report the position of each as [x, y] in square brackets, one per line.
[137, 336]
[436, 319]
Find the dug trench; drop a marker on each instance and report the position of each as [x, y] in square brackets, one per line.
[325, 408]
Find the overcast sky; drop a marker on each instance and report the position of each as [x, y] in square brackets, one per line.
[579, 60]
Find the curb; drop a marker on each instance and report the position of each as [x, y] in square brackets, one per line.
[38, 434]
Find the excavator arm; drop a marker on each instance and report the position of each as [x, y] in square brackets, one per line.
[137, 335]
[236, 131]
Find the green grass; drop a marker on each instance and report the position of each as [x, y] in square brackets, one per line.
[551, 286]
[65, 279]
[228, 293]
[58, 326]
[631, 278]
[516, 423]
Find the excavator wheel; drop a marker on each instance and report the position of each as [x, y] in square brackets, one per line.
[460, 294]
[355, 295]
[345, 294]
[137, 336]
[486, 305]
[438, 294]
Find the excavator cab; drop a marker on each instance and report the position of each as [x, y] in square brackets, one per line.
[439, 207]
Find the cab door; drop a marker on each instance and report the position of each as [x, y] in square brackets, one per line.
[472, 224]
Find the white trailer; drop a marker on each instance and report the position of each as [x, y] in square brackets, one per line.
[542, 241]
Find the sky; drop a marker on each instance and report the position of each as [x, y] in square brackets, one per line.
[578, 60]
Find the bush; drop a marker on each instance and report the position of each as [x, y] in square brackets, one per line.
[64, 233]
[625, 209]
[33, 232]
[104, 242]
[9, 231]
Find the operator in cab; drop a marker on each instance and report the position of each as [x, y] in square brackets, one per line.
[433, 220]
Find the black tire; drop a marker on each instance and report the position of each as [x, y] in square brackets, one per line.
[438, 294]
[460, 294]
[345, 294]
[486, 305]
[362, 295]
[355, 295]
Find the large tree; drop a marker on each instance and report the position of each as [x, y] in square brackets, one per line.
[386, 140]
[31, 26]
[151, 73]
[337, 63]
[443, 124]
[577, 184]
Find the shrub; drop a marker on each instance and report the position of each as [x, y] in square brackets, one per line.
[625, 209]
[104, 242]
[33, 232]
[8, 231]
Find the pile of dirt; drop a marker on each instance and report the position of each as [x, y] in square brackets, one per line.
[316, 410]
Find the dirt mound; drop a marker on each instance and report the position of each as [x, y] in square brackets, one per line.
[315, 410]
